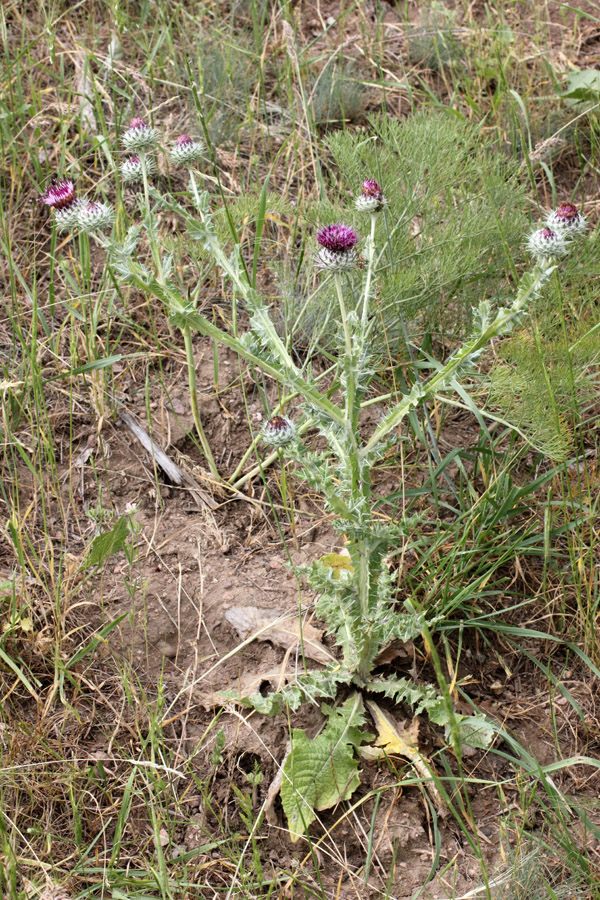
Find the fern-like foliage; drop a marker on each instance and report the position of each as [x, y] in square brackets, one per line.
[455, 209]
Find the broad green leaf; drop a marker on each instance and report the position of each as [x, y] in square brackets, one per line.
[583, 87]
[109, 543]
[476, 731]
[321, 772]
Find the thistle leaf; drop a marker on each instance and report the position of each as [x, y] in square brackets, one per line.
[321, 772]
[337, 562]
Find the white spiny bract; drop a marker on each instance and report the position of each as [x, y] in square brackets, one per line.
[140, 137]
[567, 221]
[278, 431]
[546, 244]
[371, 198]
[185, 151]
[66, 219]
[132, 168]
[94, 216]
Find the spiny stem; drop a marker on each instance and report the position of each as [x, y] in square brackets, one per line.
[350, 413]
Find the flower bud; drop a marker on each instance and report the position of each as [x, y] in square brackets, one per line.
[338, 247]
[546, 243]
[185, 151]
[140, 137]
[131, 169]
[278, 431]
[568, 220]
[94, 217]
[371, 199]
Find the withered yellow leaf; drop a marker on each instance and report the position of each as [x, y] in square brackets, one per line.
[392, 742]
[390, 739]
[338, 562]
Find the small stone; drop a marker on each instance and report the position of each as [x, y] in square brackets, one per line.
[275, 563]
[167, 649]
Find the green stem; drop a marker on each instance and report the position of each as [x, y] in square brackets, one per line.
[500, 325]
[359, 483]
[150, 224]
[351, 415]
[370, 266]
[189, 352]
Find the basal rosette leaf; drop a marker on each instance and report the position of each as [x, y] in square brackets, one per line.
[321, 772]
[475, 731]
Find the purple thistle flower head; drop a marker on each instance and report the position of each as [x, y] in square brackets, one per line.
[132, 170]
[140, 137]
[371, 198]
[546, 243]
[567, 213]
[278, 431]
[186, 151]
[278, 423]
[59, 194]
[338, 247]
[370, 188]
[337, 238]
[568, 220]
[94, 216]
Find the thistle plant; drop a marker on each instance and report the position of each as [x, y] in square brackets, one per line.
[355, 597]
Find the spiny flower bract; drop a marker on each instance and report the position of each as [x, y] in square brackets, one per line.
[131, 169]
[140, 137]
[185, 151]
[546, 242]
[278, 431]
[371, 198]
[568, 220]
[338, 247]
[95, 216]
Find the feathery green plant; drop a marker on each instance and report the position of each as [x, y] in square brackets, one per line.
[448, 233]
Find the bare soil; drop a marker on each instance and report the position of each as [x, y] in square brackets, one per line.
[197, 564]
